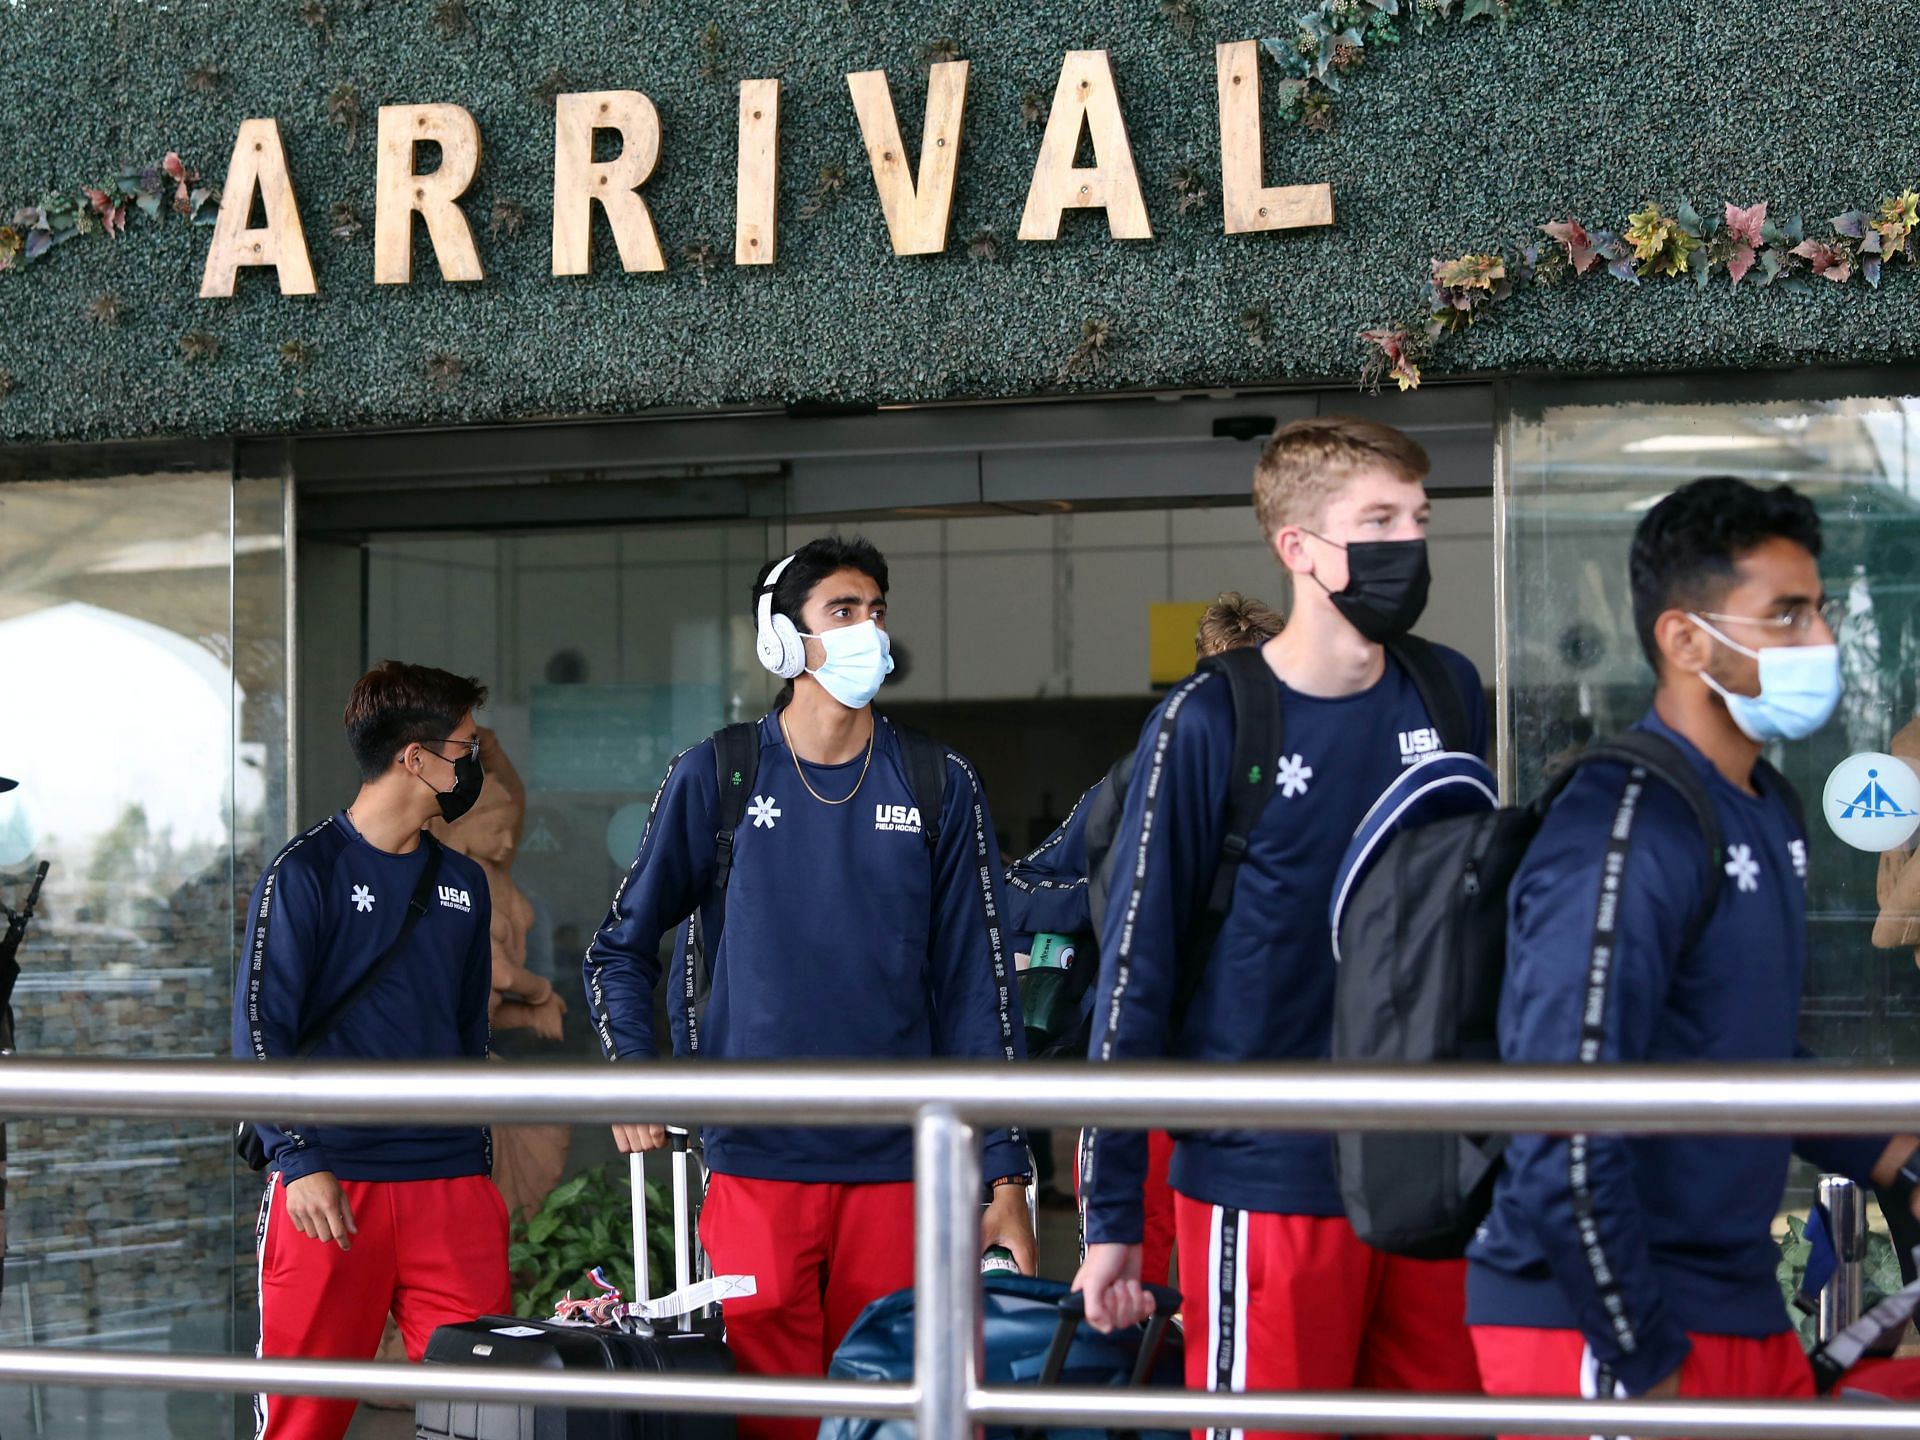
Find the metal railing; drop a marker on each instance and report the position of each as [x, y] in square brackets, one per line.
[943, 1103]
[1839, 1302]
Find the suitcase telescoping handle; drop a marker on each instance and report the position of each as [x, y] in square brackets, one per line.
[637, 1182]
[678, 1140]
[1073, 1309]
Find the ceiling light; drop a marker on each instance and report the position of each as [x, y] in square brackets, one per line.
[1682, 444]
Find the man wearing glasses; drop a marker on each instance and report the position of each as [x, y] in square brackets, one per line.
[367, 940]
[1645, 1266]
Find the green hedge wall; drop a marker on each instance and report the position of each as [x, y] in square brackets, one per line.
[1460, 138]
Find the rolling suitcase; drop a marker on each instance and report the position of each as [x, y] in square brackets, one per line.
[686, 1344]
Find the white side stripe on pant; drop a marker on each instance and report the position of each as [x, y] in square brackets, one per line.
[1227, 1335]
[260, 1293]
[1597, 1383]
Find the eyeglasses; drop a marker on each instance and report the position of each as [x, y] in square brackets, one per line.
[473, 746]
[1797, 621]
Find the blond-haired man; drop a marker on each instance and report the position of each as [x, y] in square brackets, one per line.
[1279, 1292]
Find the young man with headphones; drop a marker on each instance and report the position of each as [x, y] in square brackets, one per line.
[844, 884]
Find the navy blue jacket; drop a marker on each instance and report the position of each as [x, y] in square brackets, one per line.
[1267, 989]
[1047, 890]
[840, 938]
[1677, 1235]
[325, 910]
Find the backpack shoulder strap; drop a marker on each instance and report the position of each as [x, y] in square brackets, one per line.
[311, 1038]
[736, 764]
[1104, 809]
[1439, 691]
[1662, 759]
[925, 760]
[1257, 738]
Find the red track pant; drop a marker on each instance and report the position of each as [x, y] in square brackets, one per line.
[820, 1254]
[1517, 1361]
[1156, 1196]
[1299, 1302]
[431, 1252]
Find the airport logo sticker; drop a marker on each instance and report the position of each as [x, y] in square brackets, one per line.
[1872, 801]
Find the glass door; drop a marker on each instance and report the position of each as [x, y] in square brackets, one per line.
[142, 625]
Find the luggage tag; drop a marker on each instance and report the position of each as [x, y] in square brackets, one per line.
[688, 1297]
[696, 1297]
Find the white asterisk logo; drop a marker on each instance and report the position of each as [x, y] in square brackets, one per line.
[764, 811]
[362, 899]
[1798, 849]
[1743, 868]
[1293, 775]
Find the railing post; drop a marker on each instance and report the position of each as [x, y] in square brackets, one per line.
[946, 1272]
[1841, 1301]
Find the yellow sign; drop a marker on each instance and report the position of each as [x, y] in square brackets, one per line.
[1170, 631]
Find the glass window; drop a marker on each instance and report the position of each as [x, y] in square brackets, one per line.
[1582, 467]
[142, 621]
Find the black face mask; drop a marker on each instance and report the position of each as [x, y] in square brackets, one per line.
[1386, 588]
[468, 777]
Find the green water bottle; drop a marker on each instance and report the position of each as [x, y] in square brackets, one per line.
[1051, 952]
[998, 1260]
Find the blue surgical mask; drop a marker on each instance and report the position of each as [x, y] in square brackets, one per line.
[1799, 688]
[859, 659]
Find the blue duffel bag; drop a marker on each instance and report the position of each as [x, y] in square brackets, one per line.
[1024, 1316]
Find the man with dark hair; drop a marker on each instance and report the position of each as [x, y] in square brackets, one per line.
[369, 941]
[845, 894]
[1646, 1266]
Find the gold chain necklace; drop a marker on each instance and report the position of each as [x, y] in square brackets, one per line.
[800, 770]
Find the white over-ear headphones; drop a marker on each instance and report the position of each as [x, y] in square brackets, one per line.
[779, 645]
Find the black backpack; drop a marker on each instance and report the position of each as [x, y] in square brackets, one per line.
[1423, 953]
[1257, 740]
[736, 765]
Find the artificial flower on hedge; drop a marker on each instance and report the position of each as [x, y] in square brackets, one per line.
[1656, 244]
[36, 230]
[1333, 37]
